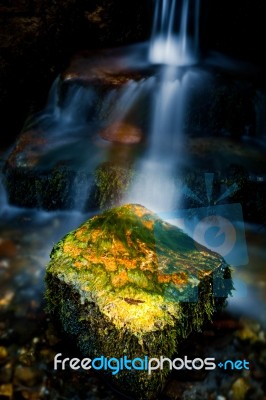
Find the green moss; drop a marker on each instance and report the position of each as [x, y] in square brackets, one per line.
[112, 182]
[126, 282]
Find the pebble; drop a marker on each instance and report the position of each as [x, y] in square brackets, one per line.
[47, 355]
[251, 331]
[6, 392]
[7, 248]
[51, 335]
[29, 395]
[6, 299]
[26, 376]
[6, 373]
[239, 389]
[3, 354]
[4, 264]
[220, 398]
[26, 357]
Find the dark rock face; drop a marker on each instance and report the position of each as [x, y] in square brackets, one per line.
[38, 37]
[235, 28]
[61, 149]
[128, 283]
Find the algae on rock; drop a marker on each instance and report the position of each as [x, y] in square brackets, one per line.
[112, 182]
[128, 283]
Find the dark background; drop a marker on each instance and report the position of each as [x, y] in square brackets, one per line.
[37, 38]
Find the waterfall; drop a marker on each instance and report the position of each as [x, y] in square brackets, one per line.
[175, 39]
[174, 42]
[83, 122]
[156, 181]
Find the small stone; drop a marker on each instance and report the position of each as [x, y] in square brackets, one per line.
[261, 336]
[175, 388]
[4, 264]
[3, 354]
[6, 373]
[247, 334]
[6, 299]
[29, 395]
[220, 398]
[47, 355]
[239, 389]
[26, 357]
[51, 335]
[7, 248]
[26, 376]
[6, 392]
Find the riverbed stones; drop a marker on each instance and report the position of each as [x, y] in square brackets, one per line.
[126, 283]
[6, 391]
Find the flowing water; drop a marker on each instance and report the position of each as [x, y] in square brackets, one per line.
[70, 125]
[175, 40]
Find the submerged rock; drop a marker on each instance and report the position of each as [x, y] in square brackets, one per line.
[126, 283]
[52, 164]
[122, 132]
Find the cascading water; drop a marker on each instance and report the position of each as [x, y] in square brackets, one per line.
[175, 39]
[172, 44]
[155, 184]
[79, 110]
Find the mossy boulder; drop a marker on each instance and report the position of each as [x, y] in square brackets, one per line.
[128, 283]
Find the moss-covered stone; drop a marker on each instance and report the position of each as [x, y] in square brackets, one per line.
[128, 283]
[112, 182]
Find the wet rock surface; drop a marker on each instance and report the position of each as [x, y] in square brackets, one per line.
[101, 102]
[56, 155]
[137, 280]
[122, 133]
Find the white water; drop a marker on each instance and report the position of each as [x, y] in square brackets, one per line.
[155, 185]
[173, 43]
[175, 39]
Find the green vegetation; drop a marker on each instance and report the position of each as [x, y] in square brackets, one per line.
[112, 181]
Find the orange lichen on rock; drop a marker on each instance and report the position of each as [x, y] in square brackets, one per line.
[71, 250]
[81, 234]
[120, 280]
[163, 278]
[134, 289]
[129, 251]
[179, 278]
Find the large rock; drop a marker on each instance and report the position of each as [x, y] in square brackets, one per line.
[128, 283]
[56, 155]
